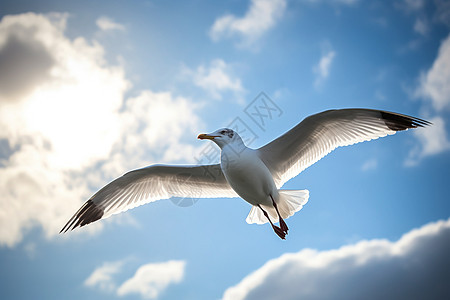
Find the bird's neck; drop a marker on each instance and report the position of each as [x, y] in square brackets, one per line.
[236, 146]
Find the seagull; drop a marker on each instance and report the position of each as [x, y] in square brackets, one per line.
[255, 175]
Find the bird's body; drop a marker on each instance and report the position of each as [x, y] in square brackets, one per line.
[248, 175]
[256, 175]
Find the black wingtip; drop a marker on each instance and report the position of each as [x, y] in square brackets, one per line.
[88, 213]
[400, 122]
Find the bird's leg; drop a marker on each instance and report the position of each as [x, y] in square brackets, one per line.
[282, 223]
[277, 229]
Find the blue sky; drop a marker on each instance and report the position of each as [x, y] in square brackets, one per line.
[92, 89]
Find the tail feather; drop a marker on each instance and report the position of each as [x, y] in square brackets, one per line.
[290, 202]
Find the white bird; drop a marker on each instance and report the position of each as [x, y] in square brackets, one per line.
[256, 175]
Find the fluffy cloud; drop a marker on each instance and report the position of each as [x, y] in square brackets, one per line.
[434, 89]
[24, 60]
[421, 26]
[67, 127]
[433, 140]
[322, 69]
[48, 126]
[160, 123]
[346, 2]
[435, 83]
[151, 280]
[412, 5]
[414, 267]
[102, 277]
[442, 13]
[260, 17]
[216, 79]
[105, 23]
[369, 165]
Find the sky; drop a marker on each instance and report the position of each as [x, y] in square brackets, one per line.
[92, 89]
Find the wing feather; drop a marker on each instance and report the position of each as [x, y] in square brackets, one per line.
[149, 184]
[319, 134]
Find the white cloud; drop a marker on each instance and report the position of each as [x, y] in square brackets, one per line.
[322, 69]
[421, 26]
[435, 83]
[105, 23]
[216, 79]
[260, 17]
[414, 267]
[442, 13]
[369, 165]
[433, 140]
[410, 5]
[149, 281]
[346, 2]
[152, 279]
[414, 4]
[434, 88]
[48, 126]
[69, 126]
[30, 250]
[161, 122]
[102, 277]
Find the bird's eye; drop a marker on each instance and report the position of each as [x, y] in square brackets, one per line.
[222, 132]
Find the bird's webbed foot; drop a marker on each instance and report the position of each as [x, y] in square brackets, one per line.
[283, 225]
[280, 232]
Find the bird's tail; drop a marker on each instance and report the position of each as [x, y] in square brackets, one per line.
[290, 202]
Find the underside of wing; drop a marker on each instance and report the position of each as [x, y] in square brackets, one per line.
[149, 184]
[319, 134]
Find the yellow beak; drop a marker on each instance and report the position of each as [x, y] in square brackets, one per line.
[205, 136]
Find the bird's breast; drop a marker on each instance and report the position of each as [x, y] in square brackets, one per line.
[248, 176]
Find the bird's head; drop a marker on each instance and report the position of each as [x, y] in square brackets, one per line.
[221, 137]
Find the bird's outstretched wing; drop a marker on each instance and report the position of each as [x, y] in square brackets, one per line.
[150, 184]
[319, 134]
